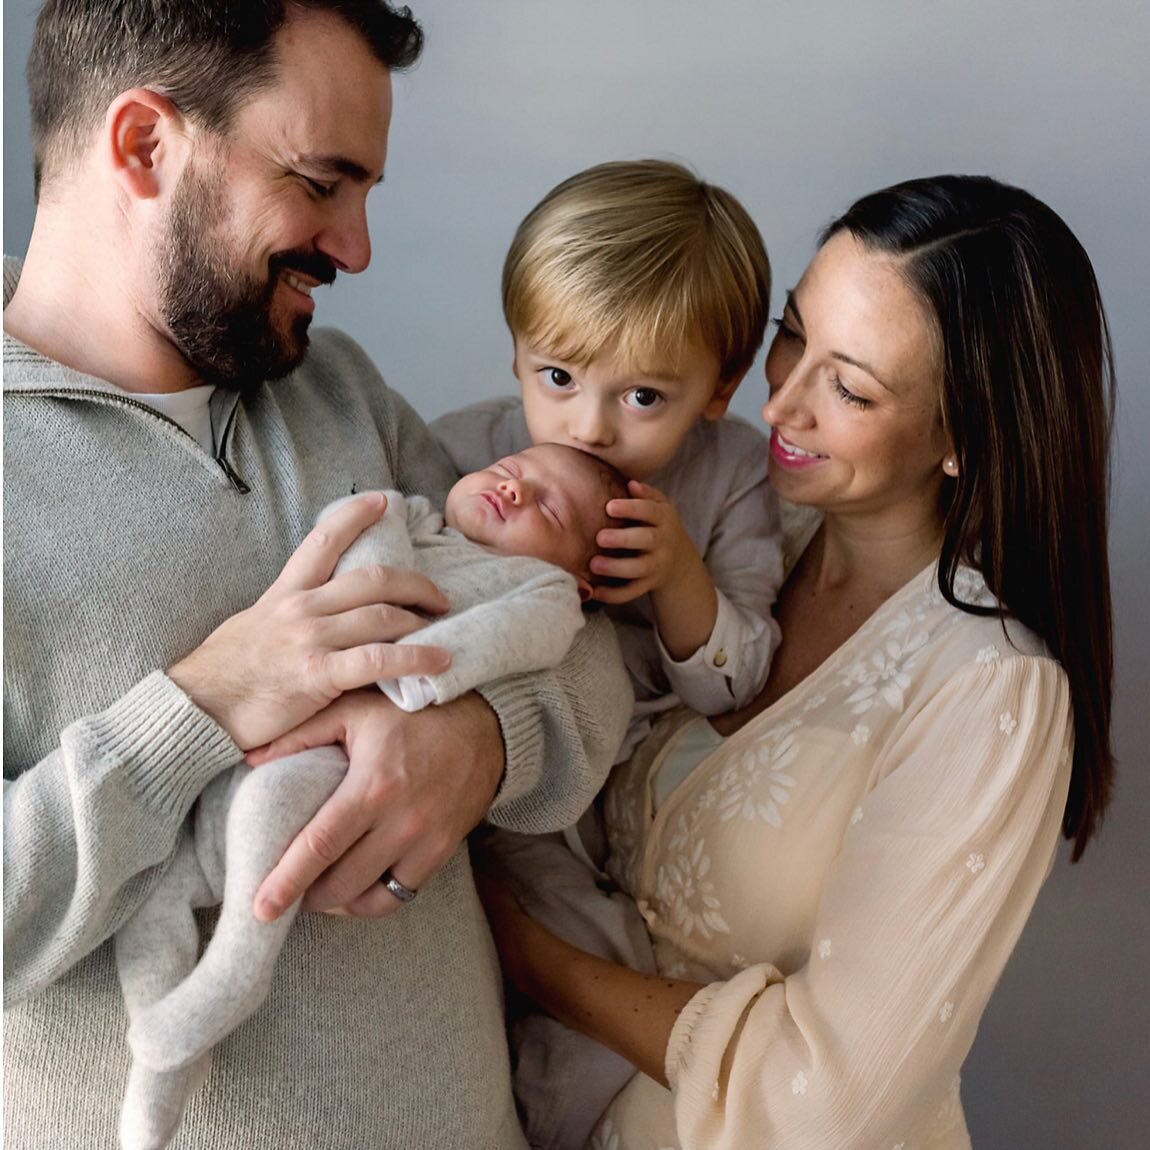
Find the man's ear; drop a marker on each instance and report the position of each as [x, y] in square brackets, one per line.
[717, 406]
[146, 142]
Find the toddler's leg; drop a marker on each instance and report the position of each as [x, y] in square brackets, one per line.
[268, 809]
[155, 949]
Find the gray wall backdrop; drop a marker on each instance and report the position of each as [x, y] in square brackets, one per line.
[798, 108]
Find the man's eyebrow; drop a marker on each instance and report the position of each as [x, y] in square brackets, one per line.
[342, 166]
[841, 356]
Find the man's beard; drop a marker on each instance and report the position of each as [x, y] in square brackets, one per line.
[218, 315]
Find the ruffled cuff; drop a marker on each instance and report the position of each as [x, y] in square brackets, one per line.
[679, 1044]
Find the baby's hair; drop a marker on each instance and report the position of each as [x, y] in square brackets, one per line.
[614, 486]
[642, 256]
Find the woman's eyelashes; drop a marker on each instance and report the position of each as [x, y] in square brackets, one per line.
[846, 395]
[786, 331]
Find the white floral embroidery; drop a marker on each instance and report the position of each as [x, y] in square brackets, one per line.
[689, 896]
[814, 701]
[856, 815]
[975, 863]
[1007, 723]
[883, 677]
[825, 948]
[741, 961]
[988, 654]
[899, 1146]
[944, 1015]
[799, 1083]
[908, 615]
[756, 784]
[969, 587]
[860, 734]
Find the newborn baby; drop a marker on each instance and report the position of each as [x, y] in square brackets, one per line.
[514, 562]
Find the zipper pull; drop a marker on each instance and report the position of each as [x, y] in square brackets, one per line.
[236, 481]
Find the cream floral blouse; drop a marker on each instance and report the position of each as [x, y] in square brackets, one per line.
[849, 873]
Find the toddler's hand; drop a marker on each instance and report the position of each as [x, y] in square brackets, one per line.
[662, 552]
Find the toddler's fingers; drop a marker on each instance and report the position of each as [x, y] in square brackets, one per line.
[627, 538]
[641, 490]
[644, 510]
[633, 567]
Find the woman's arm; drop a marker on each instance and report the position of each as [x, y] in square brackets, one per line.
[630, 1012]
[917, 916]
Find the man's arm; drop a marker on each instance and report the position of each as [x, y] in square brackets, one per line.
[88, 829]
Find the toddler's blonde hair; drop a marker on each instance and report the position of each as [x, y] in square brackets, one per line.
[643, 257]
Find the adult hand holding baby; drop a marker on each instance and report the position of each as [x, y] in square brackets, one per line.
[305, 640]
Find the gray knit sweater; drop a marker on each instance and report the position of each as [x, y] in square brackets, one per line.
[125, 544]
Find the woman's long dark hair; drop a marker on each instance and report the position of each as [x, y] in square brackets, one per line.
[1028, 400]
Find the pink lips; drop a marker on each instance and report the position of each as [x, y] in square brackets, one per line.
[494, 502]
[782, 453]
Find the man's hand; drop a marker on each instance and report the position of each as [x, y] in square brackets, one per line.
[306, 639]
[416, 785]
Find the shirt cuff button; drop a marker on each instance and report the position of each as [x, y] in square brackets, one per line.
[719, 659]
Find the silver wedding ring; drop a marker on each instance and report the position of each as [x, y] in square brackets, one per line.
[401, 892]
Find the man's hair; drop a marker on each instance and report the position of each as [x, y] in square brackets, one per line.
[644, 256]
[1027, 397]
[207, 56]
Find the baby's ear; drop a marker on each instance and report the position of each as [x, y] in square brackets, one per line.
[585, 591]
[717, 405]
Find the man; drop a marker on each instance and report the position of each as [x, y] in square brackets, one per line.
[201, 170]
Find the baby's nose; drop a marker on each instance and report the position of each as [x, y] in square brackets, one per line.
[512, 490]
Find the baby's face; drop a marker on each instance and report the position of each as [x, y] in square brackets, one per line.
[633, 419]
[545, 502]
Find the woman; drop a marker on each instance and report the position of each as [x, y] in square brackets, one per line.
[834, 876]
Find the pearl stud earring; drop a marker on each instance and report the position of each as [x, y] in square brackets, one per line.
[950, 466]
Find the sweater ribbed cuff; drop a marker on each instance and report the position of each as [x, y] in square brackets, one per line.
[168, 748]
[519, 722]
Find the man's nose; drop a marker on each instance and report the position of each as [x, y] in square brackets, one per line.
[346, 240]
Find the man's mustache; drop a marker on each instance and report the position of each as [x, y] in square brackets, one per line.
[313, 264]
